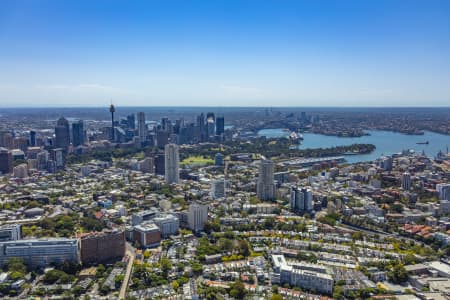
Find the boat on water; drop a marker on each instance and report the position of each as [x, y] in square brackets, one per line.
[423, 143]
[351, 153]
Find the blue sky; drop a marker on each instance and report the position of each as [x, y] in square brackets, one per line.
[225, 53]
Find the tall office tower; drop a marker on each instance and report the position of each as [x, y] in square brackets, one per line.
[160, 164]
[112, 110]
[131, 122]
[210, 115]
[406, 181]
[20, 143]
[178, 125]
[6, 161]
[172, 162]
[187, 134]
[78, 133]
[265, 187]
[197, 216]
[42, 160]
[201, 127]
[301, 199]
[220, 125]
[210, 124]
[142, 128]
[62, 133]
[32, 138]
[162, 138]
[166, 124]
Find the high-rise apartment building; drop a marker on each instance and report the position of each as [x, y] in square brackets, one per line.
[265, 187]
[21, 171]
[142, 127]
[218, 188]
[406, 181]
[443, 190]
[301, 199]
[172, 163]
[197, 216]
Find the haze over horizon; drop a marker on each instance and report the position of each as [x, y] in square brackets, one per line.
[225, 53]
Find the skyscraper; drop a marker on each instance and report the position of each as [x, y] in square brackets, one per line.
[42, 159]
[6, 161]
[131, 122]
[265, 187]
[210, 124]
[57, 156]
[166, 124]
[172, 162]
[78, 133]
[301, 199]
[220, 125]
[160, 164]
[62, 133]
[32, 138]
[406, 181]
[201, 127]
[142, 128]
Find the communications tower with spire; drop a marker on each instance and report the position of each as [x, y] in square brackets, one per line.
[112, 110]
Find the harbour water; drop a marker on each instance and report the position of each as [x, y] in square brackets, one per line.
[386, 142]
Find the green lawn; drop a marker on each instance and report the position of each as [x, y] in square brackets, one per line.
[197, 160]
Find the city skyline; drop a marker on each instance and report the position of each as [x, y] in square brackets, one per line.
[225, 53]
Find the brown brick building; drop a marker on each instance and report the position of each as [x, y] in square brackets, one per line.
[147, 235]
[99, 247]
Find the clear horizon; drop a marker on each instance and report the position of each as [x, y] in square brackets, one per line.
[225, 53]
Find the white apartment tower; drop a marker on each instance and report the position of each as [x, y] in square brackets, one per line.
[197, 216]
[301, 199]
[406, 181]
